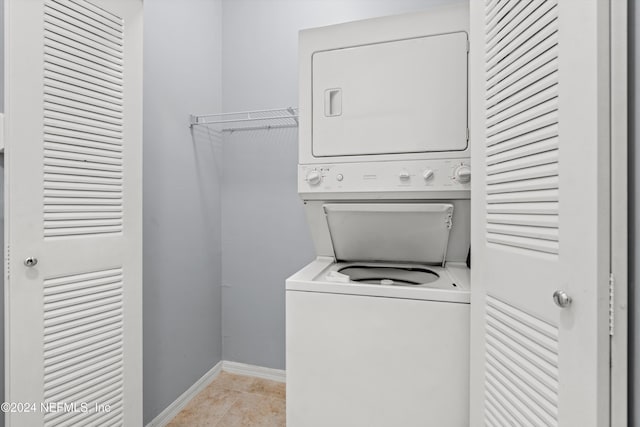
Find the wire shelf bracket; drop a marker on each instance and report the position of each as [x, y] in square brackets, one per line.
[248, 120]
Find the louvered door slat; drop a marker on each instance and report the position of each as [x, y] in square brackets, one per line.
[512, 43]
[90, 54]
[82, 14]
[74, 132]
[83, 109]
[522, 110]
[65, 80]
[81, 74]
[99, 13]
[491, 4]
[61, 56]
[60, 112]
[69, 84]
[105, 356]
[82, 311]
[514, 15]
[546, 96]
[495, 15]
[498, 411]
[545, 373]
[528, 77]
[77, 147]
[82, 103]
[505, 75]
[550, 195]
[513, 141]
[522, 119]
[525, 172]
[537, 41]
[522, 363]
[532, 59]
[541, 208]
[82, 26]
[538, 154]
[536, 379]
[528, 220]
[504, 155]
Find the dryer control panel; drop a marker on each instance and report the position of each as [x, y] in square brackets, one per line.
[433, 176]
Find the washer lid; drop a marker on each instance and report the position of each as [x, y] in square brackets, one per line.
[392, 232]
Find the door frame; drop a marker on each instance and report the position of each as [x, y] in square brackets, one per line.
[619, 215]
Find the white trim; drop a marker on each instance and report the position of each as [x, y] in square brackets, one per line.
[254, 371]
[178, 405]
[619, 195]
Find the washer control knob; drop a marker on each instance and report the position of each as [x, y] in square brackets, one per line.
[463, 174]
[340, 177]
[404, 176]
[314, 177]
[427, 174]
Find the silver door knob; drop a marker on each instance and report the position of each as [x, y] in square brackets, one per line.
[31, 261]
[561, 299]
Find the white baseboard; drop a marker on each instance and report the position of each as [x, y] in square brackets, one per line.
[254, 371]
[178, 405]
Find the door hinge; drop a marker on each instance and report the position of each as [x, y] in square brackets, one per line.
[612, 283]
[468, 46]
[449, 222]
[468, 134]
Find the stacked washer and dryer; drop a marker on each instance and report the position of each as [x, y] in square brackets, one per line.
[378, 325]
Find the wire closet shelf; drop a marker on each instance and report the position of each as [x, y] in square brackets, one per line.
[249, 120]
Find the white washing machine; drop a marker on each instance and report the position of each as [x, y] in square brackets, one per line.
[380, 343]
[376, 355]
[378, 325]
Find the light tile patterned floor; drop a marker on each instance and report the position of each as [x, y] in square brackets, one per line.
[235, 401]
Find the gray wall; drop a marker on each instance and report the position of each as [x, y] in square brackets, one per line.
[182, 264]
[265, 237]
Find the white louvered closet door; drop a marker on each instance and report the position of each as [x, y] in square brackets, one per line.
[540, 160]
[73, 82]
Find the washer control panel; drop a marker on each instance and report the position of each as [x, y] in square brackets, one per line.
[419, 175]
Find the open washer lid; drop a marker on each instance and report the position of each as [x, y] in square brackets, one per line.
[390, 232]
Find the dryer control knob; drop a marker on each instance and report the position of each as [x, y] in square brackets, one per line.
[427, 174]
[463, 174]
[314, 177]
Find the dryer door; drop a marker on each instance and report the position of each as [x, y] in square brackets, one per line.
[406, 96]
